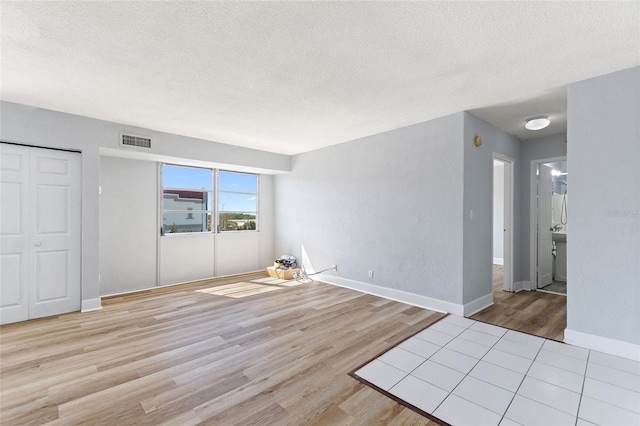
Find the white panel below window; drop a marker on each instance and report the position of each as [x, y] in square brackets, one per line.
[186, 257]
[237, 252]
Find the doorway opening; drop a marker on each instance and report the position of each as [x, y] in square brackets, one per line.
[502, 224]
[549, 225]
[513, 308]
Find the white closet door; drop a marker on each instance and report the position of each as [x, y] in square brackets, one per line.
[55, 232]
[48, 242]
[14, 233]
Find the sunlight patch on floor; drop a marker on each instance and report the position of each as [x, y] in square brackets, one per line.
[244, 289]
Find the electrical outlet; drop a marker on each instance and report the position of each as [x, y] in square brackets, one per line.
[335, 268]
[370, 273]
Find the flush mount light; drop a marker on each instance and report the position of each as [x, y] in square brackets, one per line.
[537, 123]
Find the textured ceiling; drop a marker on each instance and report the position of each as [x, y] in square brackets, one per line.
[290, 77]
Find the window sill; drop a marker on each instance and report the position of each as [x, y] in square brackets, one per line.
[183, 234]
[238, 232]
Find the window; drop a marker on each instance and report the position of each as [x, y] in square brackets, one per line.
[187, 199]
[237, 201]
[188, 203]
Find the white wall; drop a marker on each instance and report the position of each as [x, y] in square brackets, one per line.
[478, 195]
[128, 225]
[603, 263]
[399, 204]
[266, 220]
[391, 203]
[51, 129]
[498, 213]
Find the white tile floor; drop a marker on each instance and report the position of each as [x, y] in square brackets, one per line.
[466, 372]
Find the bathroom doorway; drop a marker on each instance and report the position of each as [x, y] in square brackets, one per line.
[549, 226]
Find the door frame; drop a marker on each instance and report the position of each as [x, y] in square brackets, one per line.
[507, 283]
[533, 217]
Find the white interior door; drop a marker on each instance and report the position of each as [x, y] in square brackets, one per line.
[14, 233]
[545, 258]
[41, 234]
[55, 232]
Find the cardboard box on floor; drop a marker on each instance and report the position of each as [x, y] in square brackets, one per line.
[283, 274]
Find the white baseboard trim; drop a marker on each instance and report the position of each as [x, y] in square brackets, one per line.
[91, 305]
[521, 285]
[394, 294]
[498, 261]
[477, 305]
[138, 290]
[602, 344]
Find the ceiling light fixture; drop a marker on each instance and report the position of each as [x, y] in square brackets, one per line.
[537, 123]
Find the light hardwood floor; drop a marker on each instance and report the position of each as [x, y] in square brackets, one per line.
[210, 352]
[535, 312]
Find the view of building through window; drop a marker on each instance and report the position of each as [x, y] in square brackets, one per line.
[188, 202]
[187, 199]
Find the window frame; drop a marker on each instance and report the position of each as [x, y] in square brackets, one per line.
[256, 194]
[215, 211]
[191, 213]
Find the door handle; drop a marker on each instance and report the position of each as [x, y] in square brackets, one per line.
[38, 244]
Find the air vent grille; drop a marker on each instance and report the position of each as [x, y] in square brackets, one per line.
[137, 141]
